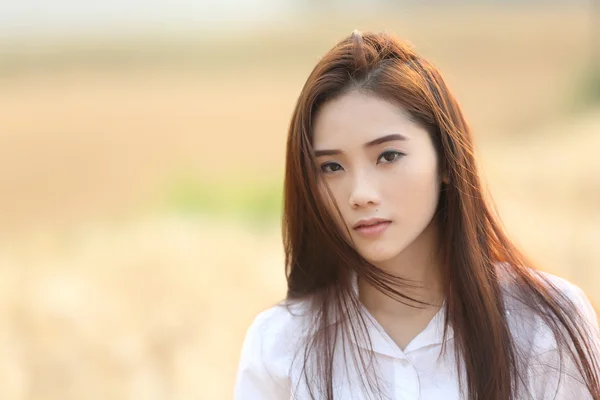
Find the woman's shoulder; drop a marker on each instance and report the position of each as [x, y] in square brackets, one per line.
[279, 328]
[552, 369]
[558, 285]
[283, 316]
[270, 346]
[574, 293]
[526, 315]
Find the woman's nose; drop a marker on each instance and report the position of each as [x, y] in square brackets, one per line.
[363, 193]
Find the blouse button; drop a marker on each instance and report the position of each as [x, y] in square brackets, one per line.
[407, 380]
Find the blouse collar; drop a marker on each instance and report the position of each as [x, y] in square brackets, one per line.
[382, 343]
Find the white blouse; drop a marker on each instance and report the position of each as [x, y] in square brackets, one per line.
[270, 363]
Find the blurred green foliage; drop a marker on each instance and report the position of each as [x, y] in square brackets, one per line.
[587, 92]
[247, 200]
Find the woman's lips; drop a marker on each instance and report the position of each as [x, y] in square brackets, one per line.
[373, 230]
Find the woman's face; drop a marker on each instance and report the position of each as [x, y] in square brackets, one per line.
[378, 163]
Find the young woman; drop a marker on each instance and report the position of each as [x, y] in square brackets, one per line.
[401, 282]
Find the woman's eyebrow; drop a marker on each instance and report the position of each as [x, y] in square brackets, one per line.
[379, 140]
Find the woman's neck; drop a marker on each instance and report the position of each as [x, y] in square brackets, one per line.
[419, 263]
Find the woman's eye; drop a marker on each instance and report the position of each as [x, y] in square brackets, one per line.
[330, 167]
[390, 156]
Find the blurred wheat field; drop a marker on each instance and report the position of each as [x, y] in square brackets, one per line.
[111, 289]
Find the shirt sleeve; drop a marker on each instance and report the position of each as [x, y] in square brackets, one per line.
[556, 377]
[254, 381]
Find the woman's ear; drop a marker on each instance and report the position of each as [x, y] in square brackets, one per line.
[445, 178]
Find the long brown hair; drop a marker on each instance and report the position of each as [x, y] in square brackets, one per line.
[320, 262]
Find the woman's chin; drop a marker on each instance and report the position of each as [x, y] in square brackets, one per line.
[378, 256]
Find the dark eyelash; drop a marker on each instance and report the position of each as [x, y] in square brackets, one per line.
[327, 164]
[400, 155]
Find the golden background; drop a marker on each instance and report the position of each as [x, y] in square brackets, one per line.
[140, 181]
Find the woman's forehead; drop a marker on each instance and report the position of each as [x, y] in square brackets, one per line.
[356, 119]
